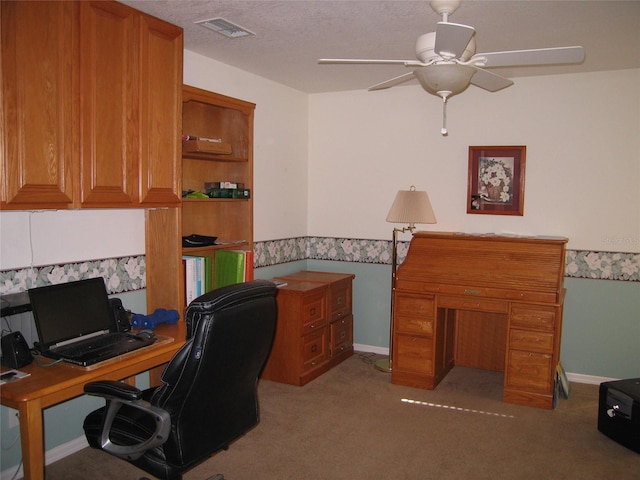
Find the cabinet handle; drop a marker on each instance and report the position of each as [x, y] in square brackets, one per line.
[312, 311]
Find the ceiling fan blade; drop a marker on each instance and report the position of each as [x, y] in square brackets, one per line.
[362, 61]
[452, 39]
[489, 81]
[392, 82]
[539, 56]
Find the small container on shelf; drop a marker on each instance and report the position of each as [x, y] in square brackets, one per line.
[206, 146]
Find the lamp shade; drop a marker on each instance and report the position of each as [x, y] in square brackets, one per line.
[411, 206]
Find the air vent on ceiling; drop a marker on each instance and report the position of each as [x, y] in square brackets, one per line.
[225, 27]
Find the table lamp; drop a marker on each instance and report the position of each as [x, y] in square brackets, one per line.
[411, 207]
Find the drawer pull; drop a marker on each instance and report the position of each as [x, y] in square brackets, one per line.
[314, 348]
[312, 311]
[471, 291]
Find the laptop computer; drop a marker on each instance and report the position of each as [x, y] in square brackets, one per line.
[75, 323]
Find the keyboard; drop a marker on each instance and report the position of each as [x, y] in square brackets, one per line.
[93, 344]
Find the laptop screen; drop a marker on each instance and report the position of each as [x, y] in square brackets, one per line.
[70, 310]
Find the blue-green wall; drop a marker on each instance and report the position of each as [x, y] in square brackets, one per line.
[601, 328]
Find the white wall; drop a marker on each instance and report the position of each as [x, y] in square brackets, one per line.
[55, 237]
[280, 143]
[582, 134]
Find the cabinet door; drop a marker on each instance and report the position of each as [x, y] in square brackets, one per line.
[161, 112]
[108, 104]
[39, 88]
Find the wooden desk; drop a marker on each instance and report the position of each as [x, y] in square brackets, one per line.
[48, 386]
[482, 301]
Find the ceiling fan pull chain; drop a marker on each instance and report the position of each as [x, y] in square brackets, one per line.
[444, 131]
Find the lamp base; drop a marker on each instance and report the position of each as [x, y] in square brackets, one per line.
[384, 365]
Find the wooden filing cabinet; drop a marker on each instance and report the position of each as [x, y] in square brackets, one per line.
[315, 326]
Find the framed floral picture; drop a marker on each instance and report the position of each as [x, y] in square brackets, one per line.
[496, 180]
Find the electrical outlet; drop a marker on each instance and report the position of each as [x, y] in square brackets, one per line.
[14, 418]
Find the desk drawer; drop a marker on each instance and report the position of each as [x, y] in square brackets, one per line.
[340, 299]
[314, 348]
[529, 371]
[473, 303]
[530, 341]
[313, 313]
[341, 335]
[416, 325]
[413, 354]
[414, 314]
[533, 316]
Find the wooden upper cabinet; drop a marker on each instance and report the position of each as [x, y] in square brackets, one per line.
[131, 79]
[161, 112]
[39, 105]
[109, 104]
[91, 106]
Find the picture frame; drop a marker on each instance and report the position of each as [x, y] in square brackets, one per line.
[496, 180]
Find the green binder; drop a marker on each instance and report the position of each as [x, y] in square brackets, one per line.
[228, 268]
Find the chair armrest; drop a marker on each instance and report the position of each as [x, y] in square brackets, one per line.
[112, 389]
[118, 394]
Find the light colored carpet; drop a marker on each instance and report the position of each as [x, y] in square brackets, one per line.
[352, 423]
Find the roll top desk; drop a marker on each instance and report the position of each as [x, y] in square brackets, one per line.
[482, 301]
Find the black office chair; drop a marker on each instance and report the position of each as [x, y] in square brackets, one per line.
[208, 394]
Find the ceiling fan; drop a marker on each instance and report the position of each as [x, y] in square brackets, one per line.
[447, 62]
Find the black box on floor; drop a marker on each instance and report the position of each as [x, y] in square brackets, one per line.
[619, 412]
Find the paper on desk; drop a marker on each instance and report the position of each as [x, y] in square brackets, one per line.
[12, 376]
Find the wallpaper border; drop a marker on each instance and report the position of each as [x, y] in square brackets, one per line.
[128, 273]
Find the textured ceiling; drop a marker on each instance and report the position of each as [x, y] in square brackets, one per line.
[292, 35]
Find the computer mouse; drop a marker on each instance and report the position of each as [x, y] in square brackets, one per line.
[146, 335]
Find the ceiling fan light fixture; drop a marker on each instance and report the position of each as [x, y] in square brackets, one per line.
[449, 77]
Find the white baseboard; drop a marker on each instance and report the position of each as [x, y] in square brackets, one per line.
[370, 349]
[589, 379]
[50, 456]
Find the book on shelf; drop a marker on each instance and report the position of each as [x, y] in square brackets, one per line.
[198, 276]
[232, 266]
